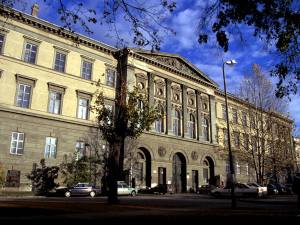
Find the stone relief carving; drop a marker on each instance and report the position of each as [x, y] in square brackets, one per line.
[194, 155]
[175, 63]
[161, 151]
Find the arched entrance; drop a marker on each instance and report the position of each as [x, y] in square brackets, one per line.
[179, 172]
[141, 174]
[209, 171]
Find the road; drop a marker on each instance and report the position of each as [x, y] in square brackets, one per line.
[151, 209]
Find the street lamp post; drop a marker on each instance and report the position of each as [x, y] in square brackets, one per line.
[232, 176]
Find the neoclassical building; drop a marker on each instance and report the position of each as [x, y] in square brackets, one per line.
[47, 83]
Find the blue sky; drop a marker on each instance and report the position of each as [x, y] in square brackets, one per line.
[207, 58]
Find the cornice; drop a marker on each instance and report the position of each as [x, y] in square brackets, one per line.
[56, 30]
[219, 92]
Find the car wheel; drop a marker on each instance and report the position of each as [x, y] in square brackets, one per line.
[92, 194]
[68, 194]
[133, 193]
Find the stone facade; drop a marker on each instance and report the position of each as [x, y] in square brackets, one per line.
[48, 77]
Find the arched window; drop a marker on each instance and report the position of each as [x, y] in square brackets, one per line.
[191, 126]
[205, 129]
[176, 123]
[159, 123]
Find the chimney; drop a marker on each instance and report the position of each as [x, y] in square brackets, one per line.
[35, 10]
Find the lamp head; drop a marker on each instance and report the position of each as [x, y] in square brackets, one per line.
[231, 62]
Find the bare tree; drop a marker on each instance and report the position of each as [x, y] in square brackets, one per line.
[265, 134]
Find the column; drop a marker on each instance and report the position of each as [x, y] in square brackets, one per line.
[169, 108]
[184, 111]
[151, 89]
[199, 118]
[212, 107]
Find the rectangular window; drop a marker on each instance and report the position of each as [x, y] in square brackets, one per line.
[254, 144]
[30, 52]
[86, 72]
[83, 105]
[110, 77]
[247, 169]
[23, 97]
[246, 141]
[60, 61]
[244, 119]
[1, 43]
[235, 116]
[55, 101]
[224, 117]
[236, 139]
[238, 168]
[227, 167]
[50, 147]
[80, 150]
[17, 143]
[252, 121]
[225, 138]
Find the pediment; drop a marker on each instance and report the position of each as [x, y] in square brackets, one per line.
[178, 63]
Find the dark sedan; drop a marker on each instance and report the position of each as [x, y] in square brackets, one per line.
[80, 189]
[158, 189]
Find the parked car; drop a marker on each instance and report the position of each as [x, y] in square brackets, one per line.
[241, 190]
[79, 189]
[124, 189]
[289, 189]
[272, 190]
[262, 188]
[281, 189]
[205, 189]
[158, 189]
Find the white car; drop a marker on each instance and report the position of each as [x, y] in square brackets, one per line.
[263, 189]
[124, 189]
[240, 190]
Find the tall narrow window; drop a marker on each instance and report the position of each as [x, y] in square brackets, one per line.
[236, 139]
[224, 117]
[60, 61]
[176, 123]
[246, 142]
[225, 138]
[159, 122]
[1, 43]
[110, 77]
[205, 129]
[17, 143]
[50, 147]
[83, 105]
[191, 126]
[30, 53]
[55, 101]
[23, 97]
[244, 119]
[238, 168]
[227, 167]
[235, 116]
[80, 150]
[86, 72]
[110, 116]
[247, 169]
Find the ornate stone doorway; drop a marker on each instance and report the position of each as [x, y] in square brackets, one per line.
[179, 173]
[142, 168]
[209, 171]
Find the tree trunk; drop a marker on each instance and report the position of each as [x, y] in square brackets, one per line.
[113, 174]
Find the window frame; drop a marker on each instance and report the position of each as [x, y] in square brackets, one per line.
[206, 126]
[60, 51]
[86, 96]
[55, 88]
[88, 60]
[4, 33]
[178, 119]
[21, 79]
[49, 156]
[191, 126]
[106, 77]
[79, 154]
[17, 142]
